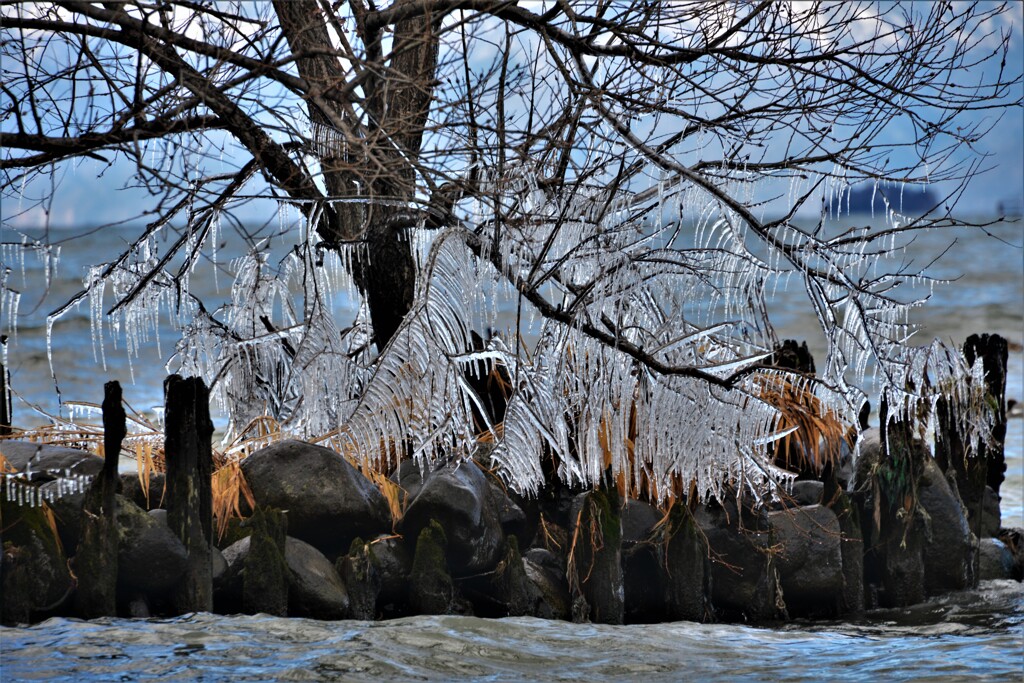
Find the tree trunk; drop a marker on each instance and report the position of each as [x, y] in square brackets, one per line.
[376, 166]
[305, 27]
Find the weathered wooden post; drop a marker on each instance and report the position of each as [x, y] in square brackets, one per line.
[685, 569]
[595, 568]
[901, 549]
[988, 466]
[992, 351]
[189, 457]
[96, 557]
[431, 588]
[265, 577]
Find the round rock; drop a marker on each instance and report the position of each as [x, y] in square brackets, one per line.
[329, 503]
[809, 559]
[150, 558]
[461, 500]
[47, 462]
[315, 589]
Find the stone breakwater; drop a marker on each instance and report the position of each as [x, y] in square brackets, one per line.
[322, 542]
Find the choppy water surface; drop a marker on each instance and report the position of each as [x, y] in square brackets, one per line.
[970, 635]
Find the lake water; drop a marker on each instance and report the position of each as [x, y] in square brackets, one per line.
[974, 635]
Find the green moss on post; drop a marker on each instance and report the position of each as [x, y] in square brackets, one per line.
[897, 545]
[595, 573]
[359, 574]
[686, 571]
[511, 584]
[265, 575]
[431, 589]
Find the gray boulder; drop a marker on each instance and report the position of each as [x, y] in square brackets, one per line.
[808, 492]
[150, 558]
[1014, 540]
[159, 514]
[132, 489]
[544, 558]
[63, 474]
[67, 510]
[34, 575]
[638, 522]
[743, 580]
[949, 545]
[46, 462]
[551, 590]
[995, 560]
[809, 559]
[469, 509]
[329, 503]
[314, 588]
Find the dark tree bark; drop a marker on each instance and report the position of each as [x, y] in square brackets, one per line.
[399, 92]
[5, 403]
[987, 466]
[302, 22]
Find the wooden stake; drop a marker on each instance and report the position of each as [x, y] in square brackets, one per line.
[189, 458]
[96, 558]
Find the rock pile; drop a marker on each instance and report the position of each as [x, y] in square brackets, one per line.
[321, 543]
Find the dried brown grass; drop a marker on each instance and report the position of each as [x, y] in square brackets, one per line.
[229, 489]
[819, 432]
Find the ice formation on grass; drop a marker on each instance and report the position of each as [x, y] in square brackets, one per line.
[642, 362]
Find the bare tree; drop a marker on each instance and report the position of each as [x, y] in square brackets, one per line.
[627, 174]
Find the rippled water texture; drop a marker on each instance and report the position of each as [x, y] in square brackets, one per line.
[973, 635]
